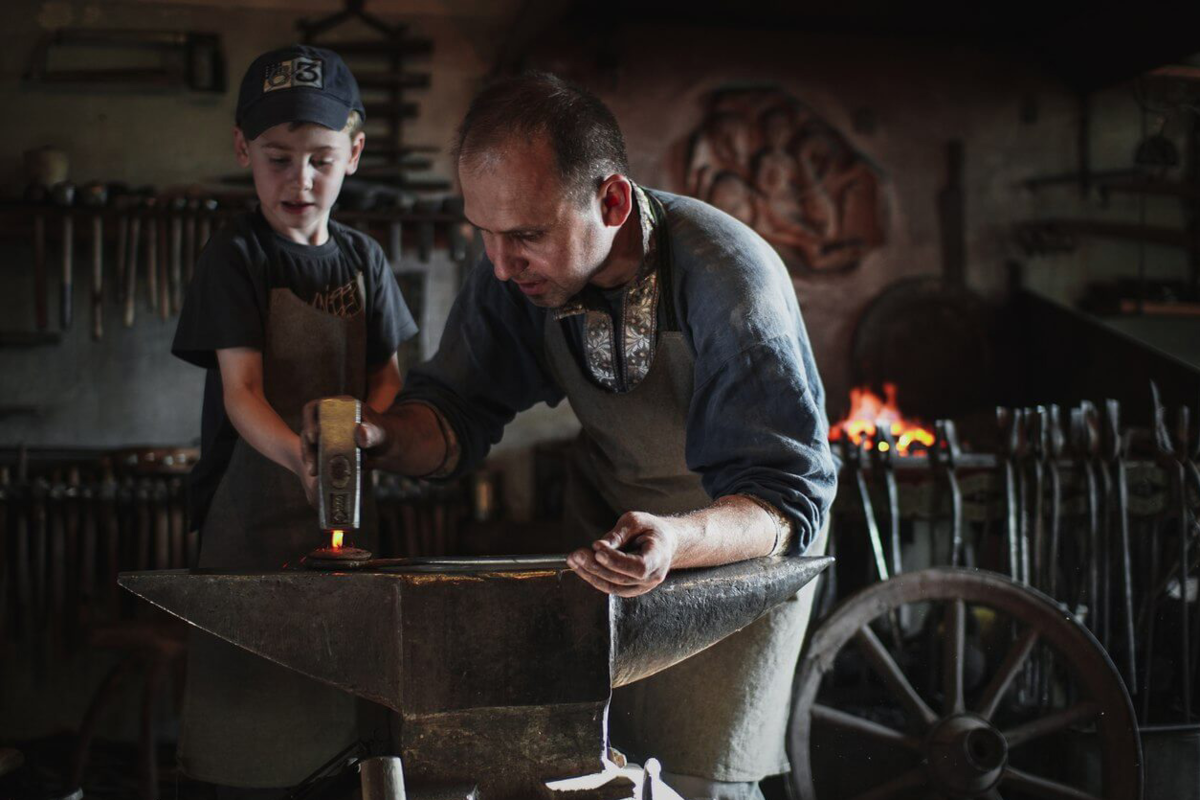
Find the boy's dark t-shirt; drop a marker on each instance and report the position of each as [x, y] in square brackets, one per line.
[227, 306]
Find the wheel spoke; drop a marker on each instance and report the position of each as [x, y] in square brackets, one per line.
[887, 668]
[954, 645]
[863, 727]
[1042, 787]
[1013, 662]
[896, 787]
[1052, 723]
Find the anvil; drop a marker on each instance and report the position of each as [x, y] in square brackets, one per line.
[499, 670]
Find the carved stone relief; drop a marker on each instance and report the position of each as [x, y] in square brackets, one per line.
[769, 160]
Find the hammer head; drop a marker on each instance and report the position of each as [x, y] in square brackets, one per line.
[339, 475]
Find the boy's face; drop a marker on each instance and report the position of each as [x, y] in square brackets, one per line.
[298, 174]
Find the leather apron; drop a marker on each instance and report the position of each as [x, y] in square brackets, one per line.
[722, 714]
[248, 722]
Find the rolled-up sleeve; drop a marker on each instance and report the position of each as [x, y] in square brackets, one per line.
[756, 424]
[489, 366]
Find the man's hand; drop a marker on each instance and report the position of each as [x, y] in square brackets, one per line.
[632, 558]
[370, 435]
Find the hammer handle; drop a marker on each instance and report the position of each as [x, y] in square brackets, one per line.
[97, 277]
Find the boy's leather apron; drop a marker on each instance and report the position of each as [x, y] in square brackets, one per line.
[246, 721]
[721, 714]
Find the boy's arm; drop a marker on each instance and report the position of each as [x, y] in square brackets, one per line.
[383, 384]
[253, 417]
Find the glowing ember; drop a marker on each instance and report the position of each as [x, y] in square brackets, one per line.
[868, 410]
[337, 539]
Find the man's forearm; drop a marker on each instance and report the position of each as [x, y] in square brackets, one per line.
[734, 528]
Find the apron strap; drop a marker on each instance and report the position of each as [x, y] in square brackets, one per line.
[666, 297]
[267, 240]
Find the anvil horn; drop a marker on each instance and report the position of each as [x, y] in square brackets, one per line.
[694, 609]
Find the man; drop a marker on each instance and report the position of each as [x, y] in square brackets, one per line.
[673, 330]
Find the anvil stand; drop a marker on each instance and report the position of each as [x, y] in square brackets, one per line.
[499, 669]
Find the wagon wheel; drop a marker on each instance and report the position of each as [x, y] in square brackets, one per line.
[965, 745]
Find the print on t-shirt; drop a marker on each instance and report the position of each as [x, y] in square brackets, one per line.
[344, 301]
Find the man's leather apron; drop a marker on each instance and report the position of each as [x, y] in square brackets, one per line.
[248, 722]
[722, 714]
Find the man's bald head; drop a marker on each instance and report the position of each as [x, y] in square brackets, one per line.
[581, 132]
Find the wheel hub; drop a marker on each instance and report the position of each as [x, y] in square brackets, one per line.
[966, 755]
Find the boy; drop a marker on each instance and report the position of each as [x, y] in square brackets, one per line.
[286, 306]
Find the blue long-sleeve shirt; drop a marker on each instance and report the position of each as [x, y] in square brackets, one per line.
[756, 423]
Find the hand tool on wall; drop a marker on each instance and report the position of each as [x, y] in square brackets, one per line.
[178, 208]
[73, 563]
[121, 204]
[208, 209]
[144, 523]
[948, 454]
[189, 241]
[1054, 451]
[395, 243]
[164, 261]
[175, 500]
[95, 197]
[151, 228]
[885, 454]
[162, 524]
[64, 198]
[1085, 445]
[1035, 419]
[856, 455]
[1008, 420]
[40, 312]
[1114, 452]
[129, 295]
[1172, 463]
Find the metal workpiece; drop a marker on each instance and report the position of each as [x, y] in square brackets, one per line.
[497, 668]
[694, 609]
[339, 470]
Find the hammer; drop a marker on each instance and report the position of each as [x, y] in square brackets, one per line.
[64, 197]
[95, 196]
[339, 464]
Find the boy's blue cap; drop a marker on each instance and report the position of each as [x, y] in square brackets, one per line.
[297, 84]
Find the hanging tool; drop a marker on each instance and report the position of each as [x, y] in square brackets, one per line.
[151, 226]
[885, 455]
[129, 295]
[1009, 421]
[1085, 444]
[40, 312]
[164, 261]
[64, 198]
[948, 454]
[1054, 450]
[189, 243]
[208, 208]
[95, 196]
[178, 207]
[121, 203]
[1114, 452]
[1172, 462]
[857, 457]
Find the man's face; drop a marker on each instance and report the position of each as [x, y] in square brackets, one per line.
[536, 235]
[298, 174]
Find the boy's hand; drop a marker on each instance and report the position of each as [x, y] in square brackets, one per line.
[370, 435]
